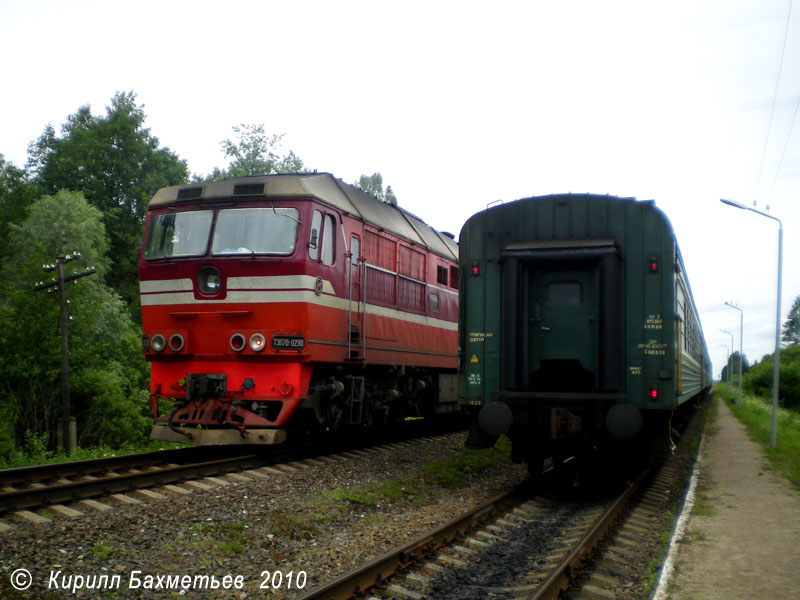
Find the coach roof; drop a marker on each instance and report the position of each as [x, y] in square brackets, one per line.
[324, 187]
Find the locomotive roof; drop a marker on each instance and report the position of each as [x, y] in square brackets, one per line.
[321, 186]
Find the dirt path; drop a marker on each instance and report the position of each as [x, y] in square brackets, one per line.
[743, 539]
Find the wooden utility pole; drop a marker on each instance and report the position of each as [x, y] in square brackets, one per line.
[61, 283]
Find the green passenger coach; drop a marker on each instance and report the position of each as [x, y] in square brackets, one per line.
[577, 326]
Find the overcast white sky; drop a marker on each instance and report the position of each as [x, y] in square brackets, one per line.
[459, 104]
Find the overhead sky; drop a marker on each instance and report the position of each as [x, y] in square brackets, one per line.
[458, 104]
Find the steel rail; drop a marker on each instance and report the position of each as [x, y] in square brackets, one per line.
[38, 473]
[559, 578]
[119, 483]
[376, 571]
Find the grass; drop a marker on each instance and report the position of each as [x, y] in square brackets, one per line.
[217, 541]
[414, 489]
[755, 413]
[34, 452]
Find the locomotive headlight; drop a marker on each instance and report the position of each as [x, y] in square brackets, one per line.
[257, 342]
[237, 342]
[209, 280]
[176, 342]
[158, 343]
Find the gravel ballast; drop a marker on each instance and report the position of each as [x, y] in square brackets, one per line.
[276, 531]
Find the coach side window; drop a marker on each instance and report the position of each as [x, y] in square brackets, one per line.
[314, 237]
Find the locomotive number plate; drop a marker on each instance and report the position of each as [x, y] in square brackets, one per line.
[296, 343]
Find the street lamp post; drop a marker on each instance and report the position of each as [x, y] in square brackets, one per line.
[741, 343]
[777, 357]
[730, 378]
[727, 360]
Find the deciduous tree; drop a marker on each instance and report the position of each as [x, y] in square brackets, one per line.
[108, 372]
[118, 165]
[373, 184]
[255, 152]
[791, 328]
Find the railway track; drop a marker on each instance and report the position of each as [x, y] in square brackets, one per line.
[47, 485]
[515, 546]
[53, 486]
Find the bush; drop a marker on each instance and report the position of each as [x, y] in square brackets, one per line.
[759, 380]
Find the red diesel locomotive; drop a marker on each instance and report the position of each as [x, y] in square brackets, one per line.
[293, 301]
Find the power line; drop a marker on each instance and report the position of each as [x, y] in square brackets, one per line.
[774, 97]
[785, 147]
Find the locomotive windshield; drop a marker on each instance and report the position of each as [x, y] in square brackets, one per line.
[270, 230]
[256, 231]
[178, 234]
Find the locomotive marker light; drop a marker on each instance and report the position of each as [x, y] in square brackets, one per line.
[158, 343]
[257, 342]
[741, 336]
[237, 342]
[61, 284]
[776, 367]
[176, 342]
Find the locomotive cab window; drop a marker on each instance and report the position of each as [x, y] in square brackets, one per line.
[178, 234]
[315, 235]
[322, 237]
[256, 231]
[354, 250]
[564, 293]
[328, 237]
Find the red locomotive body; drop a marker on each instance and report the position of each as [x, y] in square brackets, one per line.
[292, 301]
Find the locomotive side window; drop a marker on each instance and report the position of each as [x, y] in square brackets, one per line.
[178, 234]
[315, 235]
[256, 231]
[329, 234]
[433, 302]
[354, 250]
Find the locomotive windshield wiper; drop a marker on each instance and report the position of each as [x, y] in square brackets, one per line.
[281, 214]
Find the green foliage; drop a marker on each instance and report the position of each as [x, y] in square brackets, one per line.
[733, 366]
[16, 195]
[107, 370]
[373, 184]
[255, 153]
[117, 164]
[791, 328]
[759, 380]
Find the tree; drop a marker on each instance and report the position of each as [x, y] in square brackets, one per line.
[733, 366]
[107, 370]
[16, 195]
[255, 153]
[759, 379]
[373, 184]
[118, 166]
[791, 328]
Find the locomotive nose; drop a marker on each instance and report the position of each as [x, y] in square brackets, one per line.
[495, 418]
